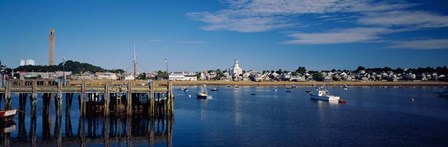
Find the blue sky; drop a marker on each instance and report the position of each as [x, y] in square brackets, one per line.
[209, 34]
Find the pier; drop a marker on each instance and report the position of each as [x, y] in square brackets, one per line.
[97, 97]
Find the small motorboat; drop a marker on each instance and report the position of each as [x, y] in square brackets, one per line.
[274, 90]
[214, 89]
[288, 91]
[6, 115]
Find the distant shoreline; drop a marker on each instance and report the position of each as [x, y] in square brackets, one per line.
[286, 83]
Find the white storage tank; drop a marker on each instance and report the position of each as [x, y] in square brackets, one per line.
[22, 62]
[29, 62]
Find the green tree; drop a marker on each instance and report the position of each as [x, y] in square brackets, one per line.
[301, 70]
[360, 68]
[295, 73]
[318, 76]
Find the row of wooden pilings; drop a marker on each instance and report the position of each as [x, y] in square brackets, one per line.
[124, 102]
[137, 127]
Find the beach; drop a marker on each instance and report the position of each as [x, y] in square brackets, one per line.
[312, 83]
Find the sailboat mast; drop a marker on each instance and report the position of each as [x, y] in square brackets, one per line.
[135, 64]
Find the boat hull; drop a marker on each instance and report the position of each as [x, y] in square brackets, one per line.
[8, 113]
[325, 98]
[202, 96]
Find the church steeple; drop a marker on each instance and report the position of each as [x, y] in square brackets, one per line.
[236, 63]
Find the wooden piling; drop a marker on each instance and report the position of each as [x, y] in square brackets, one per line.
[129, 99]
[83, 95]
[151, 100]
[171, 99]
[8, 95]
[106, 100]
[59, 98]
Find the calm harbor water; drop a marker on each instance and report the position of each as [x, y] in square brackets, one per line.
[257, 116]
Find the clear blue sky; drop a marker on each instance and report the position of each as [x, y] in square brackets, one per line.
[209, 34]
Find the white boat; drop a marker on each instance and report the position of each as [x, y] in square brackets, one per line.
[7, 114]
[324, 94]
[203, 94]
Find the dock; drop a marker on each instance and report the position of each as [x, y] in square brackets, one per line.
[98, 97]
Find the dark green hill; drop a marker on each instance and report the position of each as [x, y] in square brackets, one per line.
[74, 66]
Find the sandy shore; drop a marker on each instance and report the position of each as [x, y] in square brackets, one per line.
[279, 83]
[285, 83]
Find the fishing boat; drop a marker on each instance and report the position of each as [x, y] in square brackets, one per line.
[324, 94]
[203, 94]
[214, 89]
[6, 115]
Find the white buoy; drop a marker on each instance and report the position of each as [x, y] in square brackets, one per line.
[189, 95]
[413, 100]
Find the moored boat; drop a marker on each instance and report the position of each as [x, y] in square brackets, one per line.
[202, 94]
[6, 115]
[324, 94]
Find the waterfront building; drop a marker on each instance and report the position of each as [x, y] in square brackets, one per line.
[86, 76]
[176, 76]
[182, 76]
[129, 77]
[106, 76]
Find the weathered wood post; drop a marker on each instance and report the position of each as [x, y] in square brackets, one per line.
[59, 98]
[8, 95]
[171, 98]
[83, 98]
[106, 100]
[129, 103]
[151, 99]
[168, 98]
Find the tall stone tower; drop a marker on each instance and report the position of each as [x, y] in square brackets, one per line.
[51, 48]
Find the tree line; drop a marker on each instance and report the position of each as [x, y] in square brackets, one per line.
[74, 66]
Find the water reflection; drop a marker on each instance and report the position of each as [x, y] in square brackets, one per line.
[110, 131]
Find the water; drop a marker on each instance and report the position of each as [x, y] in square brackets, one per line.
[259, 116]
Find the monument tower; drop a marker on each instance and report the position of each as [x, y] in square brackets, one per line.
[51, 48]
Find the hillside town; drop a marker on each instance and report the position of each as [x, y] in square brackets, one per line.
[236, 73]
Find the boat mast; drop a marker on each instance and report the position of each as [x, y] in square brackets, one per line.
[135, 64]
